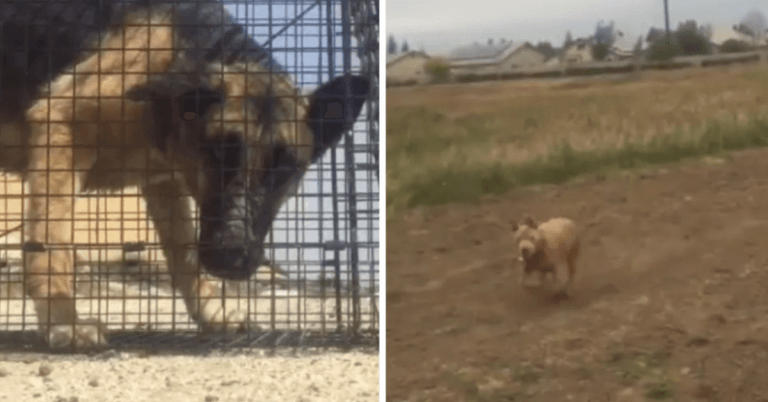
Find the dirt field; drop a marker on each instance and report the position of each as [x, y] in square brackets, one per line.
[670, 301]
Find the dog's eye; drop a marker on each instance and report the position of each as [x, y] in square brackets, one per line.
[195, 103]
[281, 168]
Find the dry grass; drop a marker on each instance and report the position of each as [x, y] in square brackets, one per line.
[456, 142]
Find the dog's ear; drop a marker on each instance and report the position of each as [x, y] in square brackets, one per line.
[528, 221]
[514, 225]
[333, 109]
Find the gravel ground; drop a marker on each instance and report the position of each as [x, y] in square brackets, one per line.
[255, 376]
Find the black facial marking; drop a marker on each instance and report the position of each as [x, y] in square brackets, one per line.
[174, 102]
[280, 170]
[225, 158]
[198, 101]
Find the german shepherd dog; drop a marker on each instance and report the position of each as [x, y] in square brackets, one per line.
[173, 97]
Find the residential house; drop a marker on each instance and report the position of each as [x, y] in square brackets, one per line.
[503, 57]
[623, 49]
[552, 62]
[407, 68]
[580, 51]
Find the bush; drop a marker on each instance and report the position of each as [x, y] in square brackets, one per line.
[735, 46]
[691, 43]
[663, 50]
[439, 70]
[600, 51]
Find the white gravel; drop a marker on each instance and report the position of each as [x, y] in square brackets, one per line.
[334, 376]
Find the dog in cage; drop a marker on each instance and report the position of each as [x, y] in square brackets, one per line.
[173, 97]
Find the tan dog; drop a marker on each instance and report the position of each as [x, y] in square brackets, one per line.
[551, 247]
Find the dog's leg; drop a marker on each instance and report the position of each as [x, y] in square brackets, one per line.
[543, 274]
[54, 184]
[174, 224]
[562, 276]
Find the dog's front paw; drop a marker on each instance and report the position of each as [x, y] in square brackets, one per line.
[82, 334]
[216, 316]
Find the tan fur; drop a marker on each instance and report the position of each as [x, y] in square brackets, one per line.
[551, 247]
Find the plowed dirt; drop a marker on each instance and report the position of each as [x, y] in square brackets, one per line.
[670, 300]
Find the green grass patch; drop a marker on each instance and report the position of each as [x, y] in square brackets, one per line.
[650, 367]
[421, 131]
[660, 390]
[461, 182]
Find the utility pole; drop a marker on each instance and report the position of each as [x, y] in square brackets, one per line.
[666, 16]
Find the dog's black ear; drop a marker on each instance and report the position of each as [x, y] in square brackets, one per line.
[334, 108]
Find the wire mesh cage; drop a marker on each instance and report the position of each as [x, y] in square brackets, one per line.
[317, 283]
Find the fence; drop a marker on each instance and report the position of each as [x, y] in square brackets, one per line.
[321, 284]
[609, 67]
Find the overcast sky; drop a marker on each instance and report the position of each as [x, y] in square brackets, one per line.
[440, 25]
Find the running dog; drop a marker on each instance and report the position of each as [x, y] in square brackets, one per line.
[173, 97]
[550, 248]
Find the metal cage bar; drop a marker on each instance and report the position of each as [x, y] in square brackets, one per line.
[324, 242]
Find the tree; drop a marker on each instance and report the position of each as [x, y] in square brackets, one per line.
[605, 37]
[605, 33]
[660, 45]
[391, 45]
[662, 49]
[638, 49]
[690, 39]
[754, 25]
[546, 49]
[568, 40]
[405, 46]
[655, 35]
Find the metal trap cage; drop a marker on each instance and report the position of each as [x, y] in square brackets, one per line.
[318, 284]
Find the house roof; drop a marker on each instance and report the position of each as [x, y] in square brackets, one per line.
[722, 33]
[478, 51]
[508, 49]
[626, 43]
[393, 57]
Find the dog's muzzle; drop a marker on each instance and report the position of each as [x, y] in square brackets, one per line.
[232, 232]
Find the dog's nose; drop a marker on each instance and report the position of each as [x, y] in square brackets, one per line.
[233, 263]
